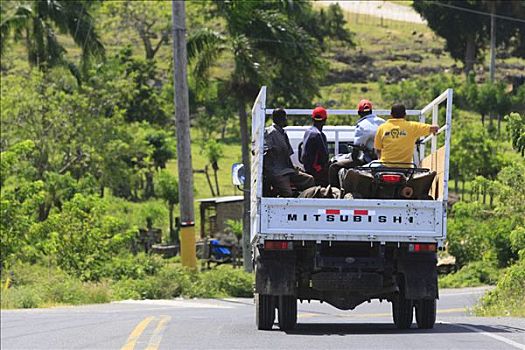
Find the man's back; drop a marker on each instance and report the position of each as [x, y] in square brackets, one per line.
[315, 149]
[366, 129]
[278, 150]
[396, 138]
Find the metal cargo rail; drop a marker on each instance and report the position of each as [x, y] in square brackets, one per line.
[355, 219]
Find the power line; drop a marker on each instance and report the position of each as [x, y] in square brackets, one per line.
[514, 19]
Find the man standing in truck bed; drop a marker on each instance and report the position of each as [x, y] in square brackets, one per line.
[277, 166]
[394, 141]
[315, 148]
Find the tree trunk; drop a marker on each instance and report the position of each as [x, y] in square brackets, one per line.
[216, 182]
[245, 140]
[456, 183]
[149, 190]
[173, 233]
[470, 54]
[43, 211]
[499, 124]
[209, 181]
[483, 119]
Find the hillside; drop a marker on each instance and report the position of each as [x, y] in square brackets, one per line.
[82, 157]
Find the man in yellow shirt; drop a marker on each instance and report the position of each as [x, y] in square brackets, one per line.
[394, 141]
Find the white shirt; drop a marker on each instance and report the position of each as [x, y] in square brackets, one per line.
[366, 129]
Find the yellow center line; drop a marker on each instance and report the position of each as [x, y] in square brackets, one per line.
[385, 314]
[154, 342]
[135, 334]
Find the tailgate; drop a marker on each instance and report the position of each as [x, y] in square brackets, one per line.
[356, 219]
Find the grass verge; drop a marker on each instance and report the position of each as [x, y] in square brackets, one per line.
[474, 274]
[508, 298]
[34, 286]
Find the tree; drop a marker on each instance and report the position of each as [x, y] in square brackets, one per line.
[516, 127]
[145, 103]
[37, 22]
[151, 20]
[474, 153]
[168, 190]
[213, 151]
[467, 33]
[268, 46]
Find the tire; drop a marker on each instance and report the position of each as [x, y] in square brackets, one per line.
[287, 312]
[264, 311]
[426, 313]
[402, 312]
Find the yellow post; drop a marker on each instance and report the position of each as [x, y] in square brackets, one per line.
[187, 245]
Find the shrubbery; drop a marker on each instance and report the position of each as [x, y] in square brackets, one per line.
[30, 286]
[474, 274]
[508, 298]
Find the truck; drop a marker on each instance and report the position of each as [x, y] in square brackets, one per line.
[351, 250]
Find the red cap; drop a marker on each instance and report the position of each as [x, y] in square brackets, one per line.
[364, 105]
[319, 114]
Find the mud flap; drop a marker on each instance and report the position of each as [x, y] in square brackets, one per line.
[420, 276]
[275, 273]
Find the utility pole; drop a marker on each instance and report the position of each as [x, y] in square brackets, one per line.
[182, 128]
[492, 67]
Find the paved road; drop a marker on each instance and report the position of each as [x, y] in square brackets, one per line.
[229, 324]
[383, 9]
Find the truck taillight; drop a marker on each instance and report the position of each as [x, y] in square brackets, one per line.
[421, 247]
[278, 245]
[390, 178]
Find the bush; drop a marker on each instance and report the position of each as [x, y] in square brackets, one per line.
[227, 281]
[20, 298]
[31, 286]
[128, 266]
[476, 233]
[508, 298]
[472, 275]
[175, 281]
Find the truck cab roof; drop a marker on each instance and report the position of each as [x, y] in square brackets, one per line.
[340, 139]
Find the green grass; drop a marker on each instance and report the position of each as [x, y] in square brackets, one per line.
[34, 286]
[232, 154]
[508, 298]
[472, 275]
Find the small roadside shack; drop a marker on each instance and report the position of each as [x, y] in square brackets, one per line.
[214, 212]
[214, 246]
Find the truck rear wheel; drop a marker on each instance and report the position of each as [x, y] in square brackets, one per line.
[264, 311]
[287, 312]
[426, 313]
[402, 311]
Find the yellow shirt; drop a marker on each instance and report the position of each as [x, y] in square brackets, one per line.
[396, 138]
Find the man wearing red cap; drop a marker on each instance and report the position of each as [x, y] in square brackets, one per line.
[363, 151]
[315, 148]
[365, 130]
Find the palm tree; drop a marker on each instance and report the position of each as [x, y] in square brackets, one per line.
[268, 47]
[37, 23]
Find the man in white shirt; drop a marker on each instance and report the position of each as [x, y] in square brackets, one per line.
[366, 129]
[363, 151]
